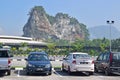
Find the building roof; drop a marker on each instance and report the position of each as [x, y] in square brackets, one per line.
[18, 40]
[14, 37]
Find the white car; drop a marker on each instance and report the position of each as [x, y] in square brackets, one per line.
[78, 62]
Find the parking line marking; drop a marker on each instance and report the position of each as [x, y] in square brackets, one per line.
[56, 72]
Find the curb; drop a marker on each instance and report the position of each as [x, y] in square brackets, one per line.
[53, 69]
[24, 60]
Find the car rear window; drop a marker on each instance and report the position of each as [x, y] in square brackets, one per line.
[4, 54]
[38, 57]
[116, 56]
[75, 56]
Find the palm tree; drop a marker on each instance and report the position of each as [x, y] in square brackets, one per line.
[51, 48]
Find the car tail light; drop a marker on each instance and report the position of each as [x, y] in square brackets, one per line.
[110, 57]
[93, 62]
[74, 61]
[9, 61]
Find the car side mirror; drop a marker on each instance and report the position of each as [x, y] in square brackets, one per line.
[65, 59]
[26, 59]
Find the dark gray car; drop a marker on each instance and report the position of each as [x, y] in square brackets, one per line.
[38, 62]
[108, 62]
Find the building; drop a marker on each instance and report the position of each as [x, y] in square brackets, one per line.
[16, 41]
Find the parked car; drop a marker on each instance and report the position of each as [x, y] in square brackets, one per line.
[78, 62]
[38, 62]
[108, 62]
[5, 61]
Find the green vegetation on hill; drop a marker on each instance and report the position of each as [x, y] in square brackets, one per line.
[39, 9]
[73, 21]
[50, 18]
[62, 15]
[85, 30]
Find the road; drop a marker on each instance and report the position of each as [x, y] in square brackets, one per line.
[58, 75]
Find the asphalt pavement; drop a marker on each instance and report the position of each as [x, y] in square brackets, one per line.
[58, 75]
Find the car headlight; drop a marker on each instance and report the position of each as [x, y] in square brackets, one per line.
[30, 65]
[47, 66]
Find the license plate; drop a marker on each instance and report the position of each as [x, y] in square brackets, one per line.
[39, 69]
[83, 62]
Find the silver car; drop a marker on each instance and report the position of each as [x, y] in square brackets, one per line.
[78, 62]
[5, 61]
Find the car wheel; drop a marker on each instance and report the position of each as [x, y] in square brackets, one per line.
[96, 70]
[69, 71]
[90, 73]
[50, 73]
[27, 73]
[9, 72]
[107, 72]
[63, 68]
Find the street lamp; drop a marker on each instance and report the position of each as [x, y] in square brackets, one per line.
[110, 23]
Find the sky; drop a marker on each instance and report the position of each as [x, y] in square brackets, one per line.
[13, 13]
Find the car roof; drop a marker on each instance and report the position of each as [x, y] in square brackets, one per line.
[116, 52]
[4, 49]
[42, 52]
[78, 53]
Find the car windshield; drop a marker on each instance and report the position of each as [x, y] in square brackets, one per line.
[116, 56]
[75, 56]
[38, 57]
[3, 54]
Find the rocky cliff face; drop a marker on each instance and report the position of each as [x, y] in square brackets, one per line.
[43, 26]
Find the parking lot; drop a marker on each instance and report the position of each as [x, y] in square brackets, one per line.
[56, 75]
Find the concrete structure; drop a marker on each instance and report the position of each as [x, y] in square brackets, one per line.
[16, 40]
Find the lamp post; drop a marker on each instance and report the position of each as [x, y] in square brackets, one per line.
[110, 23]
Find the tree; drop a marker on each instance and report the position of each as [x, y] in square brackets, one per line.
[14, 50]
[51, 48]
[1, 44]
[102, 47]
[78, 45]
[24, 44]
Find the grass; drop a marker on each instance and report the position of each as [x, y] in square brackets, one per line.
[17, 67]
[57, 67]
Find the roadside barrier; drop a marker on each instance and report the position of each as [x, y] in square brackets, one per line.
[24, 60]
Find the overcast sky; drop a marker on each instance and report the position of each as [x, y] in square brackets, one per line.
[13, 13]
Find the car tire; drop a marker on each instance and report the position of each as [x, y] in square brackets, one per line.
[9, 72]
[107, 72]
[90, 73]
[96, 70]
[50, 73]
[27, 73]
[63, 68]
[69, 71]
